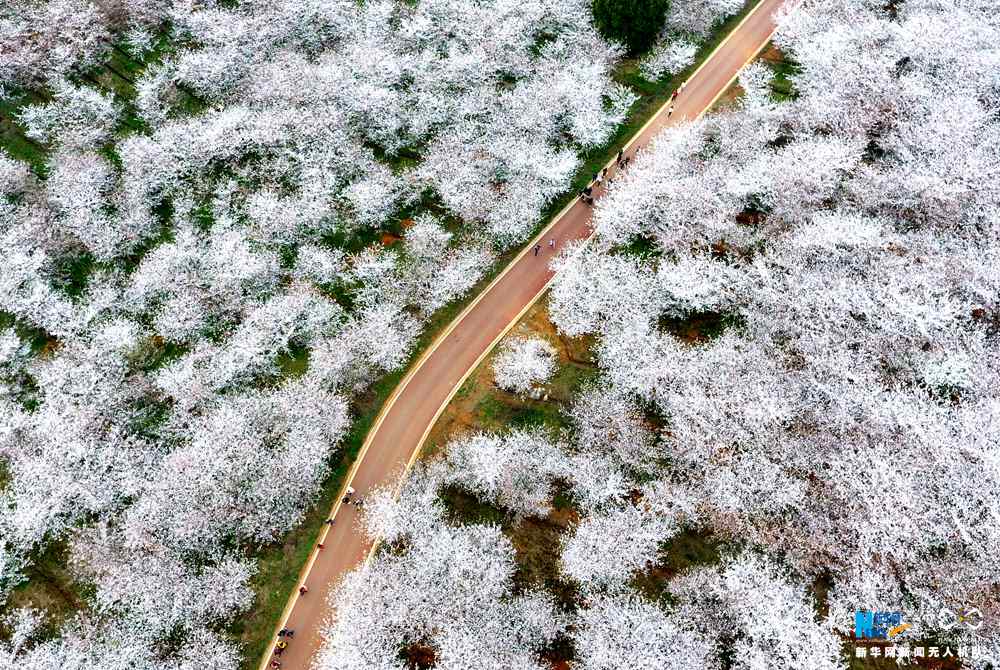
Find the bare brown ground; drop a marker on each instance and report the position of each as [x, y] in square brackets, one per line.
[462, 414]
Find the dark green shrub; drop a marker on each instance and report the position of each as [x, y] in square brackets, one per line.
[635, 23]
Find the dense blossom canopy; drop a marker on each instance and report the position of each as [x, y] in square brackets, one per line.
[205, 265]
[795, 306]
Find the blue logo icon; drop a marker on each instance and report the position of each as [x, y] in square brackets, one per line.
[878, 625]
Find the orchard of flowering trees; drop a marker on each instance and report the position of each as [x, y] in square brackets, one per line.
[206, 263]
[796, 315]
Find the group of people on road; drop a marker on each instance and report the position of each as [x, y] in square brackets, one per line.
[287, 633]
[281, 645]
[621, 160]
[552, 245]
[349, 499]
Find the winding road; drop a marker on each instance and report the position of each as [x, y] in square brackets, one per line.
[411, 411]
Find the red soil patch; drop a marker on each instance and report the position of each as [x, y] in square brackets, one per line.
[419, 656]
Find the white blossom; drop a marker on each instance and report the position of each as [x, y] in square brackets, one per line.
[523, 364]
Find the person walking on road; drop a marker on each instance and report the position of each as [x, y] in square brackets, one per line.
[670, 110]
[538, 247]
[552, 244]
[303, 590]
[618, 160]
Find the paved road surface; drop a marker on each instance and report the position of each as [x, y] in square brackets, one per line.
[412, 410]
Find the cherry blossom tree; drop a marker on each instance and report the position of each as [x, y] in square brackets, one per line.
[270, 452]
[44, 40]
[624, 630]
[699, 16]
[78, 118]
[522, 364]
[610, 545]
[668, 58]
[739, 602]
[515, 471]
[607, 424]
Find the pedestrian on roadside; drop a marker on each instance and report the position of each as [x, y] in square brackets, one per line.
[538, 247]
[683, 84]
[282, 645]
[552, 244]
[350, 490]
[329, 521]
[289, 632]
[279, 651]
[670, 110]
[673, 96]
[359, 503]
[618, 160]
[346, 500]
[604, 173]
[319, 545]
[303, 590]
[283, 632]
[275, 663]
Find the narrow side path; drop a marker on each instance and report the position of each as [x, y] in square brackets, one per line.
[408, 416]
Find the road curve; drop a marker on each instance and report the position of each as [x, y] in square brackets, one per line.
[408, 416]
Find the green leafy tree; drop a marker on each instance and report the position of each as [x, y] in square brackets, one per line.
[635, 23]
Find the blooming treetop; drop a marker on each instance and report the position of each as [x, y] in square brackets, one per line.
[522, 364]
